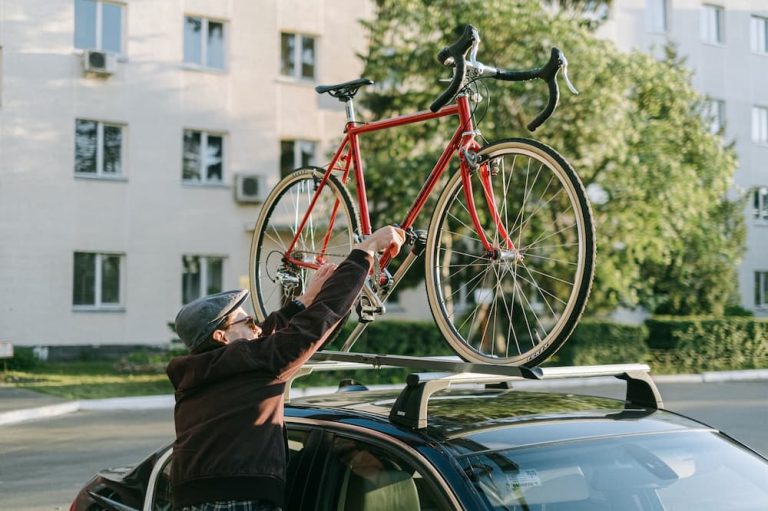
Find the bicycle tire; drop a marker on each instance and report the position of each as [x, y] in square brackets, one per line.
[277, 223]
[538, 291]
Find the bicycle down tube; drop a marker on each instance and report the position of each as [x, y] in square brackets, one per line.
[349, 153]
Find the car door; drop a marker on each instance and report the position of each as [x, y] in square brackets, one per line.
[368, 474]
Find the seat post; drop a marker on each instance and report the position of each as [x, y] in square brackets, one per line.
[350, 108]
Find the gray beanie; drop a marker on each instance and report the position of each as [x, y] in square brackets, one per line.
[197, 320]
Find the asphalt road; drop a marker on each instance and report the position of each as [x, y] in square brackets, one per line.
[44, 463]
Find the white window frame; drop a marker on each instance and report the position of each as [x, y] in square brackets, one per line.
[713, 24]
[204, 181]
[203, 262]
[202, 65]
[100, 174]
[760, 125]
[99, 21]
[297, 143]
[98, 305]
[760, 204]
[296, 74]
[761, 299]
[758, 34]
[657, 16]
[715, 115]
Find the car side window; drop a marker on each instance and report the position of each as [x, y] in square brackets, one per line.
[366, 477]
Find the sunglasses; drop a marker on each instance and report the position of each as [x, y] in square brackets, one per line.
[248, 320]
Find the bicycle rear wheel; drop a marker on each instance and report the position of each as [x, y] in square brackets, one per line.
[513, 305]
[328, 236]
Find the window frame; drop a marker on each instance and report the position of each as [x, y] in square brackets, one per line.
[652, 9]
[761, 284]
[99, 24]
[760, 204]
[100, 174]
[719, 25]
[716, 114]
[98, 305]
[756, 22]
[759, 129]
[297, 161]
[203, 65]
[203, 261]
[203, 167]
[296, 74]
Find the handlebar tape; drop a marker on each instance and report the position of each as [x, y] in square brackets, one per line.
[456, 52]
[548, 73]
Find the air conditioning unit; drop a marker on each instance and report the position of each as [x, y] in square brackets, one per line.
[250, 188]
[100, 62]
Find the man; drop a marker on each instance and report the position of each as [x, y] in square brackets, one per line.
[230, 450]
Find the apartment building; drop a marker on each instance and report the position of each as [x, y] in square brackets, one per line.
[137, 139]
[725, 43]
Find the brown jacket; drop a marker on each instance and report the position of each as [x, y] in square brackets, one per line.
[229, 401]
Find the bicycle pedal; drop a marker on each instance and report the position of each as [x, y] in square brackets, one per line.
[368, 313]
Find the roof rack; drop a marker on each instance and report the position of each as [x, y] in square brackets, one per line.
[410, 408]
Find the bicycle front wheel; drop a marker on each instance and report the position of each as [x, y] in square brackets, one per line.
[517, 303]
[278, 273]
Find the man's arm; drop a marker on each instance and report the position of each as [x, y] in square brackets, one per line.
[285, 351]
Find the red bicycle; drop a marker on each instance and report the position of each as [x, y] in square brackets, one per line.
[510, 247]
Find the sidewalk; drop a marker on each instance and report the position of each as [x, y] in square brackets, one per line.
[19, 405]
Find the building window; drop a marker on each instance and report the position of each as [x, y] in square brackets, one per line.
[712, 24]
[295, 154]
[715, 115]
[204, 42]
[760, 125]
[761, 289]
[202, 275]
[760, 203]
[656, 11]
[297, 56]
[98, 149]
[99, 26]
[759, 34]
[203, 159]
[97, 280]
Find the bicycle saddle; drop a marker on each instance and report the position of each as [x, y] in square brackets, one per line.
[344, 91]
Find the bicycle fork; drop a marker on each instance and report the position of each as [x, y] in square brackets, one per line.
[375, 301]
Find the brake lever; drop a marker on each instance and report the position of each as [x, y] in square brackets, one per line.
[568, 82]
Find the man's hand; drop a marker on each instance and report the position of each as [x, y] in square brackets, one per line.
[386, 238]
[316, 282]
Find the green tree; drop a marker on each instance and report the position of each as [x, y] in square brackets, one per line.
[668, 237]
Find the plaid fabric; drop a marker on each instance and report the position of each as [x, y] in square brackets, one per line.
[235, 505]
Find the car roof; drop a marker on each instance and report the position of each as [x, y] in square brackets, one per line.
[466, 420]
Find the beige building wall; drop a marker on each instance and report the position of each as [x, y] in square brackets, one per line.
[148, 215]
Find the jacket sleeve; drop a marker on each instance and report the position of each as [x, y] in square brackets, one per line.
[283, 352]
[279, 318]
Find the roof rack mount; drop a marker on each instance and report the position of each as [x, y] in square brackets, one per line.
[410, 408]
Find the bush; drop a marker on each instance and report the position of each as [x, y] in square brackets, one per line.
[23, 360]
[695, 344]
[603, 342]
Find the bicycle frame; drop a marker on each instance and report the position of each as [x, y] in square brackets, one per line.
[348, 156]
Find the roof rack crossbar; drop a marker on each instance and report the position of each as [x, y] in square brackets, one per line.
[444, 364]
[410, 408]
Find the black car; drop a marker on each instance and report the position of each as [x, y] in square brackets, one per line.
[436, 445]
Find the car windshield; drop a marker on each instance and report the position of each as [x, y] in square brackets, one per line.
[700, 471]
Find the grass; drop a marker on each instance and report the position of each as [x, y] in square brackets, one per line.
[87, 381]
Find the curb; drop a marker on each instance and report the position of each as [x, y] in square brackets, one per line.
[167, 401]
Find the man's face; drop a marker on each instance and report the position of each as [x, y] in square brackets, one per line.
[242, 327]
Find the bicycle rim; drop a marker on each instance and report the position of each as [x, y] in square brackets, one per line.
[326, 237]
[517, 304]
